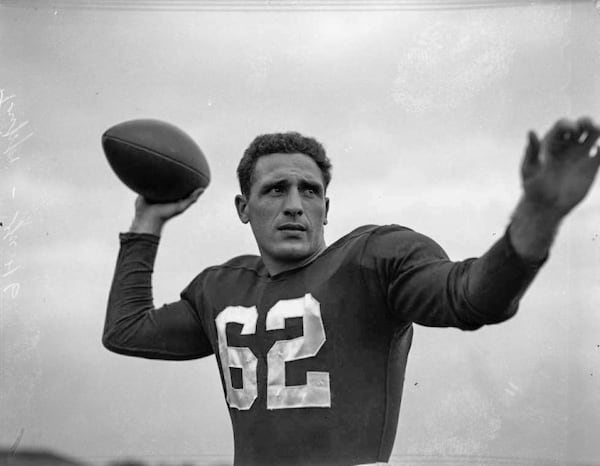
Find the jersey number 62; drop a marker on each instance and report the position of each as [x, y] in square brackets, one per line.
[314, 394]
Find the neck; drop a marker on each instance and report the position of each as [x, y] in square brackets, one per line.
[277, 267]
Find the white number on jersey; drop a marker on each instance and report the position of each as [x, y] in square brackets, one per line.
[315, 393]
[244, 358]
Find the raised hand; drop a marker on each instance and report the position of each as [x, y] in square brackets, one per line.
[151, 217]
[558, 171]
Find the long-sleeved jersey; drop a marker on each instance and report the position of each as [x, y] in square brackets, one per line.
[312, 360]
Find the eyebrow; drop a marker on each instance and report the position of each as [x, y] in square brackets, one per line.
[271, 183]
[303, 183]
[311, 184]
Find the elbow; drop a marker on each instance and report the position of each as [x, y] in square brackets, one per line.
[112, 342]
[117, 346]
[491, 315]
[108, 341]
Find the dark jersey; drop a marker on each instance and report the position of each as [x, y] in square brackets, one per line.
[312, 360]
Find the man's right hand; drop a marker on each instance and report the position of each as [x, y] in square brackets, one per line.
[150, 217]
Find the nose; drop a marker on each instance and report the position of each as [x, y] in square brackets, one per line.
[293, 204]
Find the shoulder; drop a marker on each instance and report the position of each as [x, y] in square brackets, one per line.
[377, 246]
[247, 262]
[238, 270]
[397, 242]
[363, 234]
[381, 252]
[245, 265]
[384, 234]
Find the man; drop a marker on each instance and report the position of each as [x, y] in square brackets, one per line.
[312, 341]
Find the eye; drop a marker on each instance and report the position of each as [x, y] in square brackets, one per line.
[312, 191]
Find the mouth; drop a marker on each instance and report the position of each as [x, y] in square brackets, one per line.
[291, 227]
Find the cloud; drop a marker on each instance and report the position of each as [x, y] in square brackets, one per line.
[458, 57]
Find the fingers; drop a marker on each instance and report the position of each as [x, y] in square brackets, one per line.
[588, 136]
[186, 202]
[193, 197]
[575, 131]
[197, 193]
[593, 158]
[531, 160]
[588, 168]
[558, 139]
[577, 138]
[565, 130]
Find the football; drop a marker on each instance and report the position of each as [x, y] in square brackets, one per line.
[155, 159]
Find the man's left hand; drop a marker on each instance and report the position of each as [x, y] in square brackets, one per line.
[558, 171]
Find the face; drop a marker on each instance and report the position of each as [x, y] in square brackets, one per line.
[286, 209]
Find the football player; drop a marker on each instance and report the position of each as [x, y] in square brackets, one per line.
[312, 340]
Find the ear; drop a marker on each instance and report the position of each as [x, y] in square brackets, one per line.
[326, 210]
[241, 205]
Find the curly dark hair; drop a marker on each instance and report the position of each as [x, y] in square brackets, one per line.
[281, 143]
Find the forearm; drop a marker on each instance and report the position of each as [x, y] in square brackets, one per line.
[497, 280]
[425, 287]
[133, 325]
[503, 274]
[147, 225]
[533, 229]
[130, 297]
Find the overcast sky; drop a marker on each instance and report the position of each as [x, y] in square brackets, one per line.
[424, 115]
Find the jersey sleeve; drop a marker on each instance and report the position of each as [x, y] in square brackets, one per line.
[422, 285]
[133, 326]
